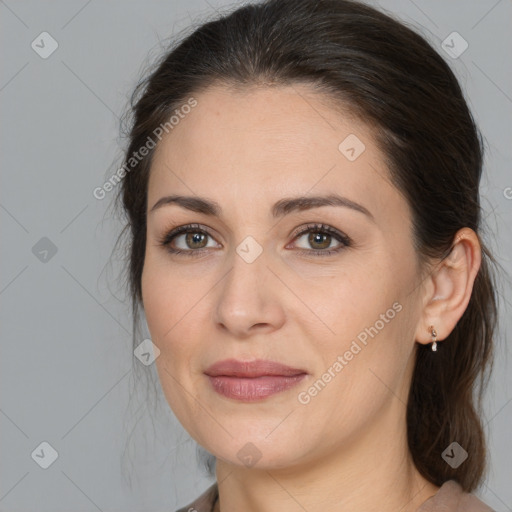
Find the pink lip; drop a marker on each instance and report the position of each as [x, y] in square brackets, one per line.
[252, 380]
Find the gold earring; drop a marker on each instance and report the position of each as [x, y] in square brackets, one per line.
[433, 333]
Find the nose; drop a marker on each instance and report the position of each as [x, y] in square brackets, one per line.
[249, 299]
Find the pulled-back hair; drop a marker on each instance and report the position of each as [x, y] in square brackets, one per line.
[392, 79]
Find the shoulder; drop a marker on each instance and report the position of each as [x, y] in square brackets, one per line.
[449, 498]
[452, 498]
[204, 503]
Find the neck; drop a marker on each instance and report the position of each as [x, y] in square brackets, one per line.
[371, 472]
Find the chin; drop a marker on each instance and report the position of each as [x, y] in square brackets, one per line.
[256, 452]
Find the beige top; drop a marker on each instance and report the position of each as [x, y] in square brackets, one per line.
[449, 498]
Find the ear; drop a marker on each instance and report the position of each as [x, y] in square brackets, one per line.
[448, 288]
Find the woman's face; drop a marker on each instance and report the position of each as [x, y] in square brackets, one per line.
[260, 280]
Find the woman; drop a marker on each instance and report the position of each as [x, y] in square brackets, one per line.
[302, 194]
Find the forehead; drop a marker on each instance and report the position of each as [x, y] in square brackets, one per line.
[268, 142]
[291, 120]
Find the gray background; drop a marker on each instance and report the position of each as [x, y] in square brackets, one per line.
[66, 366]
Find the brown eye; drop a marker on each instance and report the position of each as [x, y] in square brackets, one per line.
[320, 238]
[189, 239]
[195, 240]
[323, 240]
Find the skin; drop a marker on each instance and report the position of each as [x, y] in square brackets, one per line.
[347, 448]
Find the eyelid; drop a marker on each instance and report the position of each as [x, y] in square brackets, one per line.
[172, 233]
[323, 228]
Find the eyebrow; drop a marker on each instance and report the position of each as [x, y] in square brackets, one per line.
[280, 208]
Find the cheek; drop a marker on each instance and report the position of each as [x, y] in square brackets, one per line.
[352, 298]
[368, 346]
[367, 374]
[171, 331]
[175, 316]
[164, 307]
[164, 294]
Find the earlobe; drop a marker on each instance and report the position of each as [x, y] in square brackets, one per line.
[452, 278]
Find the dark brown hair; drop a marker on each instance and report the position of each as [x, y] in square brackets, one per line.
[391, 78]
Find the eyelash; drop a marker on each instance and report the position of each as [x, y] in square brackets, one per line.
[315, 228]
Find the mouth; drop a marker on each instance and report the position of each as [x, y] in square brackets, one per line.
[250, 381]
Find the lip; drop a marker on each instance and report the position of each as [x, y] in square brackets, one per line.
[257, 368]
[251, 389]
[250, 381]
